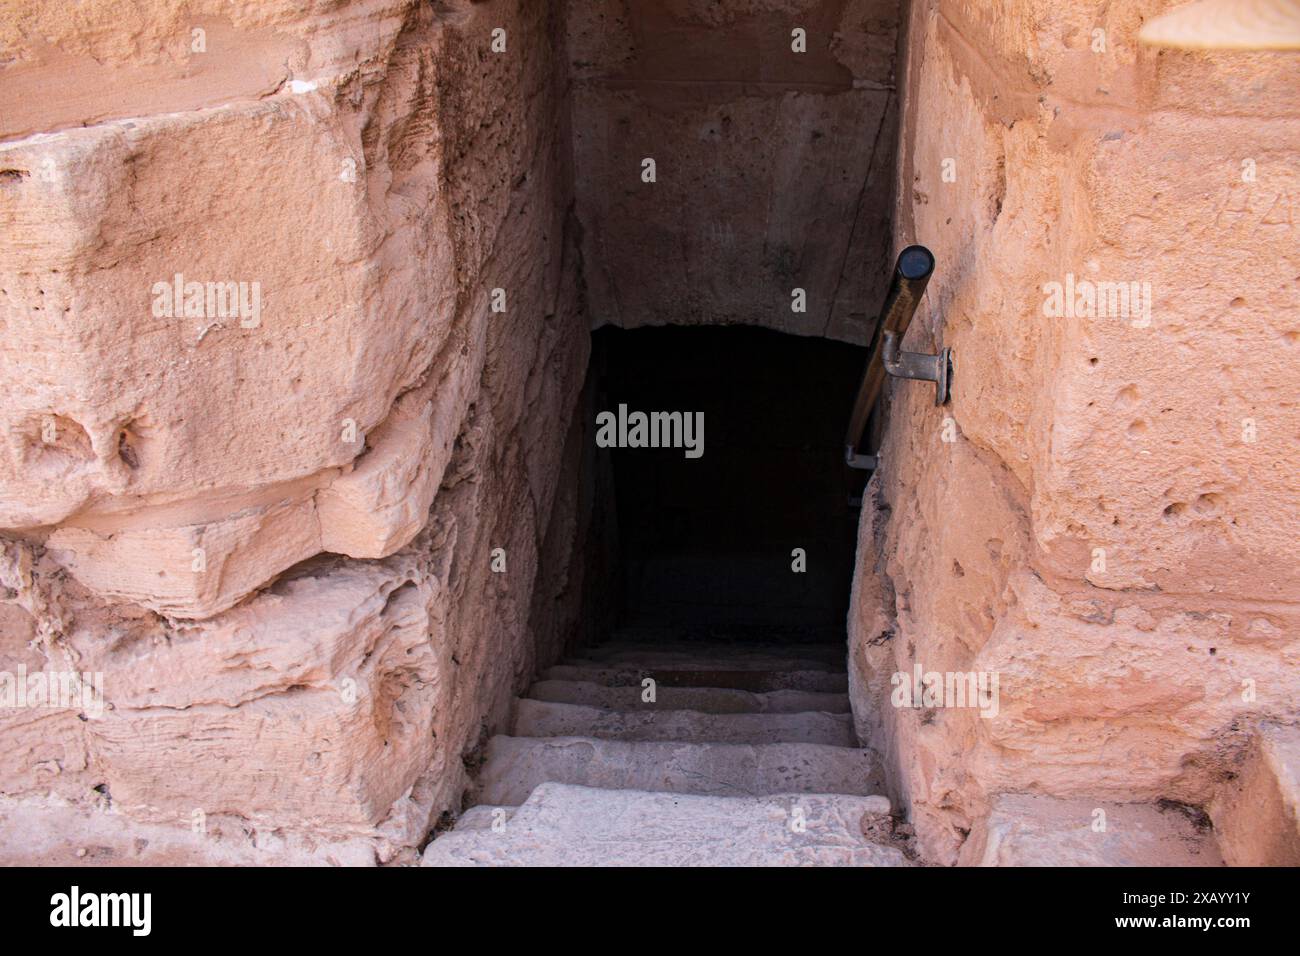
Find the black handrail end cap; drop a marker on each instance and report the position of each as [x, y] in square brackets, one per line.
[915, 262]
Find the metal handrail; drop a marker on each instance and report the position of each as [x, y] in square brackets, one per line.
[912, 272]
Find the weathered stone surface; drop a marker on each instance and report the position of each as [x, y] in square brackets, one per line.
[1023, 830]
[156, 428]
[191, 571]
[43, 746]
[381, 503]
[709, 700]
[1257, 815]
[782, 159]
[308, 706]
[58, 834]
[515, 765]
[563, 825]
[1138, 684]
[378, 175]
[1101, 515]
[756, 681]
[483, 816]
[161, 408]
[113, 62]
[733, 657]
[648, 642]
[1226, 25]
[537, 718]
[235, 516]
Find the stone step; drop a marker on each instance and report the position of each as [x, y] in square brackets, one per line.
[632, 640]
[515, 765]
[1028, 830]
[727, 638]
[756, 681]
[708, 700]
[484, 816]
[719, 657]
[540, 718]
[562, 825]
[1257, 814]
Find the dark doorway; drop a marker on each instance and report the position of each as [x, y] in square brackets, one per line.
[706, 545]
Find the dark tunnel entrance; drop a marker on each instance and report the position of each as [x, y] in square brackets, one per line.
[708, 546]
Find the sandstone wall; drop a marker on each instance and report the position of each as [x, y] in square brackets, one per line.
[273, 532]
[1112, 531]
[773, 168]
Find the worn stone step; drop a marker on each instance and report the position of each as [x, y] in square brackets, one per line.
[513, 766]
[709, 700]
[718, 657]
[563, 825]
[541, 718]
[728, 637]
[1257, 813]
[484, 816]
[756, 681]
[631, 640]
[1029, 830]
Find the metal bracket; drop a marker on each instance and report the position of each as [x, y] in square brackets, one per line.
[918, 365]
[861, 462]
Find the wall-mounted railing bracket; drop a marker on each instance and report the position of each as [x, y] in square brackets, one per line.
[861, 462]
[918, 365]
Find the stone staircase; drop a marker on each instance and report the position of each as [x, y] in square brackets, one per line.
[744, 757]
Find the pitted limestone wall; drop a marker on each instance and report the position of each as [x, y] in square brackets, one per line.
[273, 532]
[773, 160]
[1112, 531]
